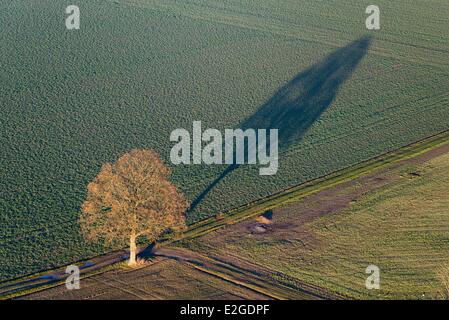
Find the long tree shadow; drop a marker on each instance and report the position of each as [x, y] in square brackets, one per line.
[298, 104]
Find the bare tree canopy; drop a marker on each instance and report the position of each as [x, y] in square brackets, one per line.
[131, 198]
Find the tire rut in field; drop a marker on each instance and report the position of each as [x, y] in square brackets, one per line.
[242, 274]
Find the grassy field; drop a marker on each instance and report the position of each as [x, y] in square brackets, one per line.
[402, 226]
[137, 69]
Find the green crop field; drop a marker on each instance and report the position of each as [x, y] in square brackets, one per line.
[71, 100]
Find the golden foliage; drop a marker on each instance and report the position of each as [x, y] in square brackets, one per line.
[132, 198]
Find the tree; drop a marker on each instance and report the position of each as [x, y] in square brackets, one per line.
[132, 198]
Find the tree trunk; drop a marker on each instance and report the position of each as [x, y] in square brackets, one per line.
[132, 251]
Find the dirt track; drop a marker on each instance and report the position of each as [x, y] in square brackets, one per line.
[244, 273]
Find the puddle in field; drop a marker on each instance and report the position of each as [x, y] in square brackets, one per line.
[262, 223]
[88, 264]
[49, 277]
